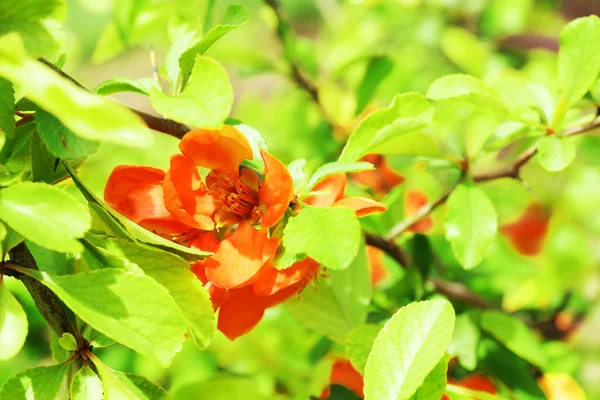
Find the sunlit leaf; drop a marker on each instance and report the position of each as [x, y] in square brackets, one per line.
[13, 324]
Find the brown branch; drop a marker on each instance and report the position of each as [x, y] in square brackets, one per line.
[159, 124]
[388, 247]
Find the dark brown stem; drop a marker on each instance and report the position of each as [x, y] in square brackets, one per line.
[159, 124]
[45, 300]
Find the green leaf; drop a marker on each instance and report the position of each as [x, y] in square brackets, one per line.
[465, 340]
[46, 215]
[36, 21]
[515, 335]
[205, 102]
[119, 85]
[46, 167]
[59, 354]
[330, 235]
[471, 224]
[220, 387]
[235, 16]
[13, 324]
[359, 344]
[119, 225]
[414, 143]
[377, 70]
[119, 385]
[85, 114]
[7, 108]
[468, 92]
[407, 349]
[68, 342]
[175, 275]
[128, 307]
[336, 167]
[556, 153]
[434, 385]
[327, 307]
[579, 57]
[51, 261]
[408, 112]
[86, 385]
[465, 50]
[41, 383]
[59, 140]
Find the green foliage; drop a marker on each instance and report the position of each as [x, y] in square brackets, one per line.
[326, 306]
[118, 385]
[205, 102]
[423, 331]
[41, 383]
[68, 342]
[35, 209]
[408, 112]
[471, 224]
[377, 70]
[359, 344]
[465, 339]
[556, 153]
[229, 387]
[336, 167]
[59, 140]
[7, 108]
[13, 324]
[434, 385]
[119, 85]
[329, 235]
[86, 385]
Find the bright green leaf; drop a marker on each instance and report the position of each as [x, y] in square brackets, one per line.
[41, 383]
[468, 92]
[408, 112]
[59, 140]
[359, 344]
[515, 335]
[465, 340]
[414, 143]
[378, 68]
[330, 235]
[407, 349]
[119, 85]
[175, 275]
[37, 22]
[85, 114]
[205, 102]
[579, 57]
[235, 16]
[7, 108]
[220, 387]
[328, 308]
[68, 342]
[46, 167]
[471, 224]
[435, 383]
[86, 385]
[46, 215]
[128, 307]
[465, 50]
[13, 324]
[336, 167]
[556, 153]
[51, 261]
[119, 385]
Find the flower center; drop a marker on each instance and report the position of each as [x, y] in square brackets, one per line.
[235, 197]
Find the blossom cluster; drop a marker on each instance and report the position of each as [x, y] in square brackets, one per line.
[235, 212]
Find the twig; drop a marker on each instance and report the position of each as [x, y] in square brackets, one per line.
[159, 124]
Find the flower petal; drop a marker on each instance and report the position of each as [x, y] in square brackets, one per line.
[362, 206]
[240, 256]
[380, 180]
[277, 190]
[528, 232]
[343, 373]
[271, 281]
[206, 241]
[241, 310]
[221, 150]
[376, 265]
[415, 200]
[334, 185]
[217, 295]
[125, 177]
[186, 196]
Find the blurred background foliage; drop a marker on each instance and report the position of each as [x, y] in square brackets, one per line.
[348, 49]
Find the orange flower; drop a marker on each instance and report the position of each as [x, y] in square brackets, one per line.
[333, 188]
[528, 232]
[380, 180]
[415, 200]
[376, 265]
[343, 373]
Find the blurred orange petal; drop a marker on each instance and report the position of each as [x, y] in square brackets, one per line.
[333, 186]
[362, 206]
[240, 311]
[528, 232]
[415, 200]
[376, 265]
[277, 190]
[343, 373]
[221, 150]
[240, 256]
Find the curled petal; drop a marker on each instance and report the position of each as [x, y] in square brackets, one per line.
[240, 256]
[362, 206]
[271, 281]
[220, 150]
[186, 196]
[333, 186]
[277, 190]
[241, 310]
